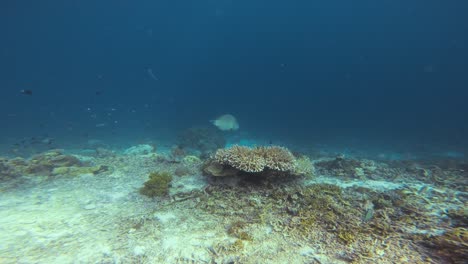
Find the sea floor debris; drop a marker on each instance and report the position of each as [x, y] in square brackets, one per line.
[350, 211]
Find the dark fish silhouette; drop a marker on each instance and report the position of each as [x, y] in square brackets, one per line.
[26, 92]
[42, 140]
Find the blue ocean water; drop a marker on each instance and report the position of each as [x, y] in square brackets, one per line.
[375, 75]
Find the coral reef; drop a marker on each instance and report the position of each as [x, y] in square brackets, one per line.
[353, 217]
[190, 160]
[337, 217]
[304, 166]
[45, 163]
[50, 163]
[13, 168]
[236, 229]
[453, 173]
[452, 246]
[157, 185]
[189, 165]
[240, 159]
[352, 211]
[177, 154]
[214, 168]
[182, 171]
[349, 168]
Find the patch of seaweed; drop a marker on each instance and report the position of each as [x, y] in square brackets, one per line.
[157, 185]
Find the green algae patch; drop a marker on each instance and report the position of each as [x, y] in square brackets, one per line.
[157, 185]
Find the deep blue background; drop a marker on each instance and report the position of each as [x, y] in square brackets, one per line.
[306, 71]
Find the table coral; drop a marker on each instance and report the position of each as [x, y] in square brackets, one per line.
[256, 159]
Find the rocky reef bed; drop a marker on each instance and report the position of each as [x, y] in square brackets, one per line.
[68, 208]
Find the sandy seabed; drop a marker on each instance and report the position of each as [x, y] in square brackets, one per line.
[103, 218]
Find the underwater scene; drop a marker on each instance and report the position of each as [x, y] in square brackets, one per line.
[234, 131]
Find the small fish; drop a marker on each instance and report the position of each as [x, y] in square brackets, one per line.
[47, 141]
[151, 74]
[26, 92]
[424, 189]
[14, 151]
[368, 214]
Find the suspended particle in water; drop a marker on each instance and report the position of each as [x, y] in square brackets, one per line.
[151, 74]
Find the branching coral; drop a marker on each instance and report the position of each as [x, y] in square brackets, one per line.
[304, 166]
[277, 158]
[241, 158]
[256, 159]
